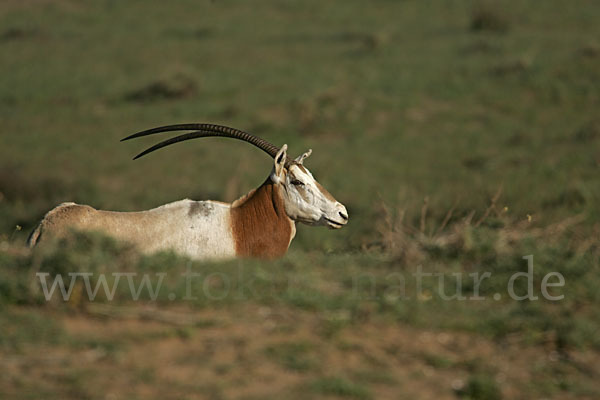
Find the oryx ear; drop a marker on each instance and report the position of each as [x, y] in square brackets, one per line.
[300, 159]
[279, 164]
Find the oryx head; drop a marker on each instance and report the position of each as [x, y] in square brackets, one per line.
[305, 200]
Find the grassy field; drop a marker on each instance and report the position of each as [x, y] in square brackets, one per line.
[462, 136]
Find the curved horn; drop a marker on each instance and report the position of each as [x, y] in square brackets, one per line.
[203, 130]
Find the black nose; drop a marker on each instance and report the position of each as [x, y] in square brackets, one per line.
[343, 215]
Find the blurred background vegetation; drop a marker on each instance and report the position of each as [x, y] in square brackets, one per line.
[461, 136]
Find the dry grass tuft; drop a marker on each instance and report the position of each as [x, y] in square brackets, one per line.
[453, 235]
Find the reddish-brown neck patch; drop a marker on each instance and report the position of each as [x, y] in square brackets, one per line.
[260, 226]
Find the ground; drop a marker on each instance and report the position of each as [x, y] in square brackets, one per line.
[461, 136]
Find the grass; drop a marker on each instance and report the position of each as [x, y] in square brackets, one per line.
[340, 387]
[461, 137]
[480, 388]
[292, 355]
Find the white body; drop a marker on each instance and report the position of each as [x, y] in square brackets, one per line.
[197, 229]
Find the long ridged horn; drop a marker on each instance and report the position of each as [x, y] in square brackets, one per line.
[200, 131]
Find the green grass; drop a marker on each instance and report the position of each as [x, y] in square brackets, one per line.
[418, 112]
[21, 328]
[481, 388]
[294, 356]
[340, 387]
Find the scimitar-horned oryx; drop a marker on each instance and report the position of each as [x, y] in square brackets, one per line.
[260, 224]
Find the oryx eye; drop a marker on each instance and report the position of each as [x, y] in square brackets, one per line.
[296, 182]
